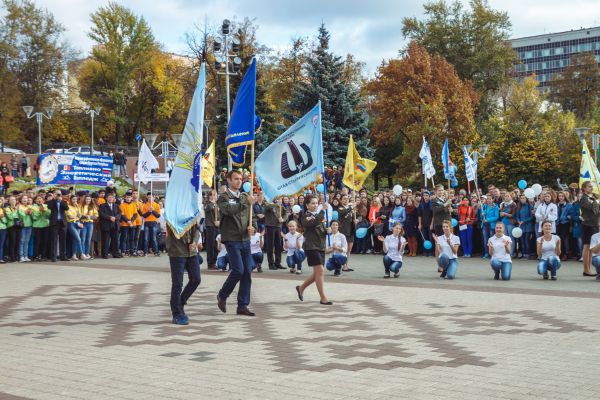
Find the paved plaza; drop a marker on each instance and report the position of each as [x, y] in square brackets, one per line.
[101, 330]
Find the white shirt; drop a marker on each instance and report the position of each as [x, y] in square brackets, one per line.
[223, 251]
[391, 244]
[548, 246]
[445, 248]
[546, 212]
[255, 243]
[292, 241]
[594, 241]
[498, 244]
[338, 240]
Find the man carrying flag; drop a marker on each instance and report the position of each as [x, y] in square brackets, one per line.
[357, 169]
[183, 207]
[236, 207]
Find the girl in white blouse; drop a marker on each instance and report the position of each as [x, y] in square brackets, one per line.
[447, 247]
[499, 247]
[292, 243]
[548, 250]
[256, 245]
[393, 246]
[337, 246]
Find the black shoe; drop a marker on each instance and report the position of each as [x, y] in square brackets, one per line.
[586, 274]
[443, 274]
[553, 278]
[496, 275]
[386, 276]
[546, 275]
[280, 267]
[222, 304]
[259, 269]
[326, 303]
[272, 267]
[105, 257]
[245, 311]
[299, 294]
[397, 275]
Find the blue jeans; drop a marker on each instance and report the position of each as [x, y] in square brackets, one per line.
[3, 234]
[295, 260]
[258, 259]
[466, 240]
[150, 231]
[391, 265]
[336, 262]
[525, 241]
[595, 260]
[127, 236]
[449, 265]
[222, 262]
[552, 264]
[487, 232]
[240, 265]
[74, 230]
[504, 267]
[24, 242]
[86, 237]
[178, 266]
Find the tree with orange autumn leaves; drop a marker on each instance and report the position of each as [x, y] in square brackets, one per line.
[421, 95]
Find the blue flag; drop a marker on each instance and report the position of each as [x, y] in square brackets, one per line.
[293, 160]
[449, 168]
[184, 198]
[241, 128]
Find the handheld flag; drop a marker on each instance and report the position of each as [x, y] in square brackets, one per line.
[208, 165]
[588, 170]
[183, 205]
[357, 169]
[470, 165]
[449, 168]
[291, 163]
[241, 128]
[146, 162]
[427, 161]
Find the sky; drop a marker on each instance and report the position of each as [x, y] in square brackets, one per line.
[371, 30]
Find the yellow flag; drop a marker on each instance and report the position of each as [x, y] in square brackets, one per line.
[357, 168]
[207, 171]
[588, 170]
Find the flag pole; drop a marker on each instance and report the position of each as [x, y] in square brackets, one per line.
[251, 181]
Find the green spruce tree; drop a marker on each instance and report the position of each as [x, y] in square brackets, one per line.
[342, 112]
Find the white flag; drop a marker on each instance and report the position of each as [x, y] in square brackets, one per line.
[425, 156]
[146, 162]
[470, 166]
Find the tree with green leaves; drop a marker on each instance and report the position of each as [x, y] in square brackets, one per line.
[343, 113]
[474, 40]
[577, 89]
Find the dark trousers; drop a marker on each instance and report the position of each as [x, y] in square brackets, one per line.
[273, 243]
[40, 242]
[14, 238]
[240, 267]
[150, 229]
[426, 232]
[110, 240]
[211, 245]
[178, 267]
[58, 235]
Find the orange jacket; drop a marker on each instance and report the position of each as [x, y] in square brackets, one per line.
[138, 220]
[147, 209]
[129, 213]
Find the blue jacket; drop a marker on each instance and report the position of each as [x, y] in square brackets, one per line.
[398, 214]
[490, 213]
[526, 218]
[564, 216]
[576, 220]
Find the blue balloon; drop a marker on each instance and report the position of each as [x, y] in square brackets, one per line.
[427, 244]
[334, 215]
[361, 232]
[247, 187]
[522, 184]
[454, 222]
[320, 188]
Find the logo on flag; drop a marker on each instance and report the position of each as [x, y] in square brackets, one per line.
[357, 169]
[300, 163]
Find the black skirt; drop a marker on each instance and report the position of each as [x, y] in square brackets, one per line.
[315, 257]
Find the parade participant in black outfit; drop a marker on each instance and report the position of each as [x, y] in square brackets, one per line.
[275, 215]
[58, 226]
[110, 215]
[211, 219]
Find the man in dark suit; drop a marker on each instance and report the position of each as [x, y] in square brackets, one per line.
[110, 215]
[58, 226]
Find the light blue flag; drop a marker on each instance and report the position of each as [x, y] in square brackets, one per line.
[291, 163]
[184, 198]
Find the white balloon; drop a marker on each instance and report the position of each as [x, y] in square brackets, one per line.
[537, 189]
[397, 190]
[529, 193]
[296, 209]
[517, 232]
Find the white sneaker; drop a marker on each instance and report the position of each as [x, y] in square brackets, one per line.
[85, 256]
[22, 259]
[74, 258]
[27, 259]
[299, 272]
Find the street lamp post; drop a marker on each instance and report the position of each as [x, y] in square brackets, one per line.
[221, 46]
[92, 112]
[39, 116]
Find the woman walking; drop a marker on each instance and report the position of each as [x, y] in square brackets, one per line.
[499, 247]
[548, 250]
[447, 248]
[314, 247]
